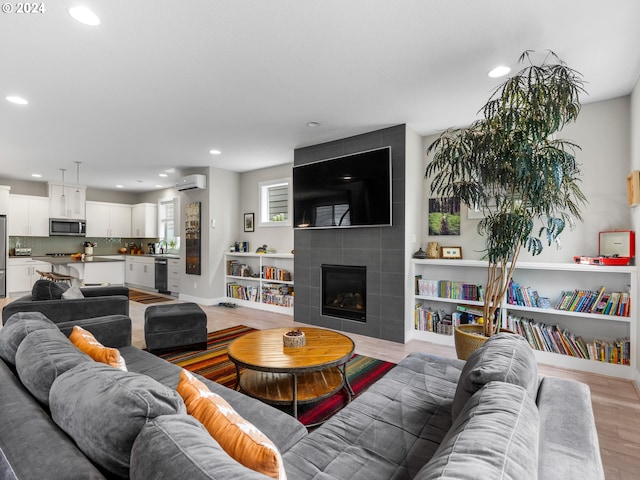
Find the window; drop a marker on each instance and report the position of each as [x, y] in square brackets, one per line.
[168, 227]
[275, 203]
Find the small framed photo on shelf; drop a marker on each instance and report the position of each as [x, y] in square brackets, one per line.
[248, 222]
[451, 252]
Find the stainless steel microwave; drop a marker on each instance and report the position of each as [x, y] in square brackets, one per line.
[67, 226]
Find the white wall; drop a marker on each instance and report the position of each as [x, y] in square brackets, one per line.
[219, 202]
[196, 288]
[602, 131]
[635, 127]
[225, 210]
[414, 192]
[635, 211]
[279, 238]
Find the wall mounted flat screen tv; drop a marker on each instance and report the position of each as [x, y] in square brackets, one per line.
[344, 192]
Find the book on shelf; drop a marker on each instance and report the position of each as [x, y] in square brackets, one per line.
[426, 320]
[242, 292]
[276, 273]
[448, 289]
[476, 311]
[237, 269]
[550, 338]
[277, 294]
[595, 301]
[523, 296]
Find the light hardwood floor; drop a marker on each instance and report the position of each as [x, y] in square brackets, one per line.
[616, 403]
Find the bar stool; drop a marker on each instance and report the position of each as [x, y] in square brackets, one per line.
[56, 277]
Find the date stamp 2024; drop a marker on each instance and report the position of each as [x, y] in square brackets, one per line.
[23, 8]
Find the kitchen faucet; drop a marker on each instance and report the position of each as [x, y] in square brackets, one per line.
[165, 245]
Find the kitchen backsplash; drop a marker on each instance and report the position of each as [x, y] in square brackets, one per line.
[105, 246]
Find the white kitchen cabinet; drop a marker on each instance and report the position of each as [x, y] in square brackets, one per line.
[28, 216]
[140, 271]
[173, 277]
[67, 201]
[108, 219]
[144, 220]
[22, 274]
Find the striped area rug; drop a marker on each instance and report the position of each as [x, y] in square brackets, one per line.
[146, 298]
[214, 364]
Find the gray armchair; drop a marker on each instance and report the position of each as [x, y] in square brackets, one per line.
[88, 312]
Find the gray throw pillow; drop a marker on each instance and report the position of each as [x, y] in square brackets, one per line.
[504, 357]
[17, 327]
[103, 409]
[41, 357]
[48, 290]
[495, 436]
[73, 292]
[178, 446]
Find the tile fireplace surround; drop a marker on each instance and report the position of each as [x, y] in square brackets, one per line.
[379, 249]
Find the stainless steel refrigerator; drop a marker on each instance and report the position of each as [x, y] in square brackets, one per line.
[3, 256]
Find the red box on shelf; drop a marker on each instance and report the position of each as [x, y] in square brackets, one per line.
[615, 247]
[620, 243]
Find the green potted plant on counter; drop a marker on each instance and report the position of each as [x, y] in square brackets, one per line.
[510, 166]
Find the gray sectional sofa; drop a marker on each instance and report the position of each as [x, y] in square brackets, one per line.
[65, 416]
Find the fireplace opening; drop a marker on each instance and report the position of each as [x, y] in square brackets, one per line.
[344, 292]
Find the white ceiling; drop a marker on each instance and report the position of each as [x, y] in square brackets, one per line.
[160, 83]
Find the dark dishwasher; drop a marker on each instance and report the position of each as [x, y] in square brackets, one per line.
[162, 272]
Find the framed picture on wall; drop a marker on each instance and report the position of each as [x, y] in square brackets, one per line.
[193, 240]
[451, 252]
[444, 216]
[248, 222]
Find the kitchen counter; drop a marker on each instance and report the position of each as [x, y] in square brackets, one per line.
[92, 270]
[153, 255]
[68, 260]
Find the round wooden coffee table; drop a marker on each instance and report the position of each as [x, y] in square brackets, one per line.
[282, 375]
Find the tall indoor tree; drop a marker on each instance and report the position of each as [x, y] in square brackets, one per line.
[511, 167]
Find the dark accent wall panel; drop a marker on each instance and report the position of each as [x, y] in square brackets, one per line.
[380, 249]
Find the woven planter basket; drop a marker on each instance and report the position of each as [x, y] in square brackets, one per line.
[467, 340]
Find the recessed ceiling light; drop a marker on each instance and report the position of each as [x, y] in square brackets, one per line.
[17, 100]
[84, 15]
[119, 186]
[215, 152]
[163, 175]
[158, 186]
[313, 124]
[499, 71]
[36, 175]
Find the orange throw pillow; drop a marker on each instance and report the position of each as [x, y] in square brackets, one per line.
[87, 343]
[239, 438]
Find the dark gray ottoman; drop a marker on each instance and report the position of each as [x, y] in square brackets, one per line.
[175, 326]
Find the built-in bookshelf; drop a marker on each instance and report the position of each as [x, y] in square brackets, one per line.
[263, 281]
[574, 316]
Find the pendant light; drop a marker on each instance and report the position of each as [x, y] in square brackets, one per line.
[77, 197]
[63, 200]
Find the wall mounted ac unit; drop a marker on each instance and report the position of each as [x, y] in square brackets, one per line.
[190, 182]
